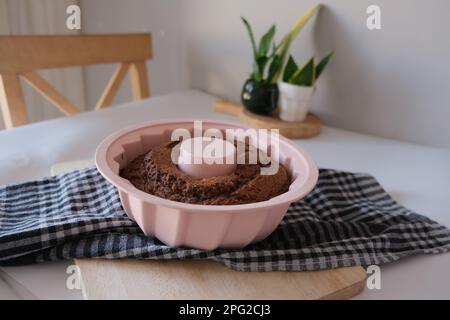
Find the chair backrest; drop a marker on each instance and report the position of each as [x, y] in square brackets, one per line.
[21, 56]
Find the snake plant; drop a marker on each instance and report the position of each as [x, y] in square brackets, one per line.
[306, 75]
[268, 57]
[261, 52]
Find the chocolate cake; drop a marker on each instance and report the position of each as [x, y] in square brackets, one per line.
[155, 173]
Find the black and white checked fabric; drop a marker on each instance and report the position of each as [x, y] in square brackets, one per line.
[348, 219]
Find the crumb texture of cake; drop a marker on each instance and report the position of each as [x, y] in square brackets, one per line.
[155, 173]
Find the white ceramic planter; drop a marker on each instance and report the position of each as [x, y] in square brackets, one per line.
[295, 101]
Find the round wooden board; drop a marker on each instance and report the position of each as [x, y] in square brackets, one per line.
[308, 128]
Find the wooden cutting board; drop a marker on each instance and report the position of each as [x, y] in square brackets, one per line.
[195, 279]
[308, 128]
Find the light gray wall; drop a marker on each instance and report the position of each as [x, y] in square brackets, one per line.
[160, 17]
[393, 83]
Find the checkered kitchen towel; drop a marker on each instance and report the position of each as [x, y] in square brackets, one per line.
[348, 219]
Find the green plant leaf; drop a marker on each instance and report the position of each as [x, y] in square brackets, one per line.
[273, 68]
[300, 23]
[266, 40]
[285, 44]
[304, 76]
[252, 38]
[290, 69]
[255, 75]
[323, 63]
[261, 62]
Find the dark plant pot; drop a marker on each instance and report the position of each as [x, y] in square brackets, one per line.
[259, 97]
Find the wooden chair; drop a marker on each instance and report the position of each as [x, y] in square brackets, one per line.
[21, 56]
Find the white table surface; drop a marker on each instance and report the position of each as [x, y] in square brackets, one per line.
[416, 176]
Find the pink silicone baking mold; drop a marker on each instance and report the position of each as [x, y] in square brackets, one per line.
[199, 226]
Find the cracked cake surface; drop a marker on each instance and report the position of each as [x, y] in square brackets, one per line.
[155, 173]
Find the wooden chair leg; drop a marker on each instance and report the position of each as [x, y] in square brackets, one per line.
[12, 102]
[113, 85]
[139, 80]
[50, 93]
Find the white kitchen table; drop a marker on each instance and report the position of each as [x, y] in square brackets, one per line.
[416, 176]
